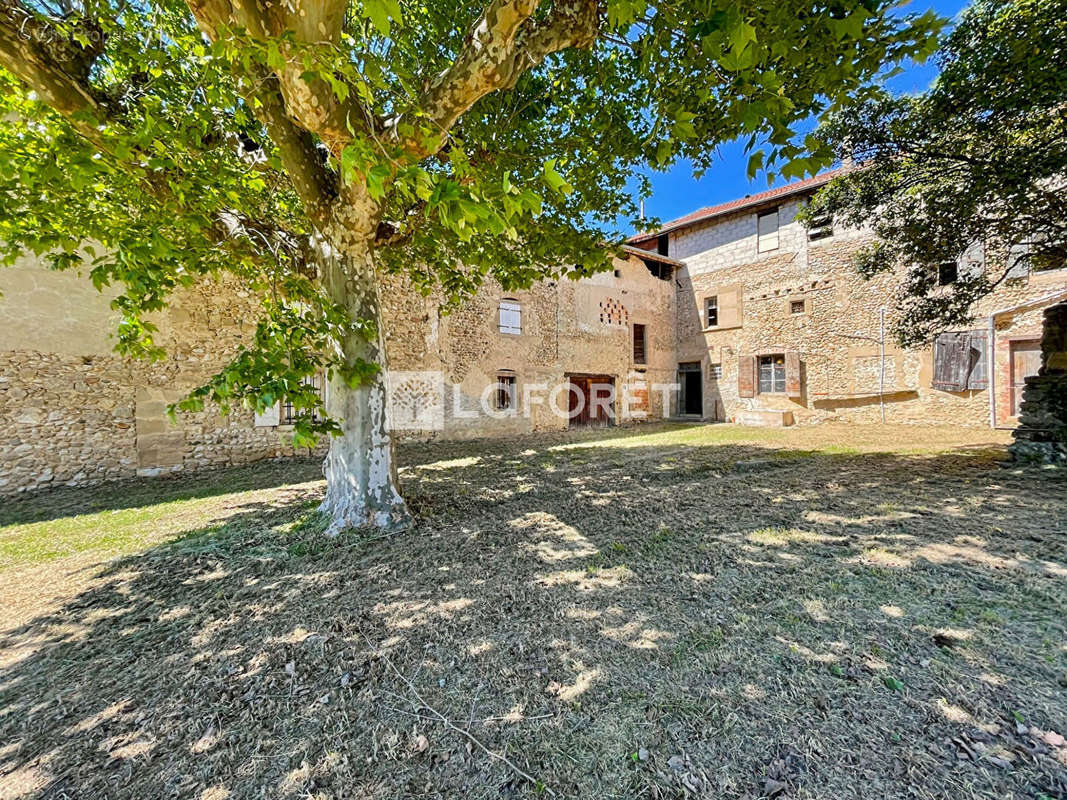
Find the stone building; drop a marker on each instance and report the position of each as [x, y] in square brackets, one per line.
[774, 327]
[750, 318]
[73, 413]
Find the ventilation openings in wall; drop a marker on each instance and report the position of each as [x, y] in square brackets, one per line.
[612, 312]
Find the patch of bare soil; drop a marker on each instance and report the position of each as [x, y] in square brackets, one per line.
[671, 619]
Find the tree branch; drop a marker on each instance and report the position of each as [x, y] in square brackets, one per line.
[503, 44]
[316, 184]
[310, 101]
[47, 61]
[45, 58]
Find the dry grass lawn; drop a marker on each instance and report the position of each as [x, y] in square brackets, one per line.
[672, 611]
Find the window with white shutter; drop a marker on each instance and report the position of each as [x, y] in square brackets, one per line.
[269, 418]
[510, 317]
[1019, 260]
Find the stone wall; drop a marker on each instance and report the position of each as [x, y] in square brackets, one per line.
[1042, 433]
[73, 413]
[804, 297]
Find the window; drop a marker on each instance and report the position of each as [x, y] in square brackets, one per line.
[960, 361]
[796, 306]
[715, 372]
[288, 414]
[618, 273]
[639, 344]
[1019, 257]
[510, 317]
[947, 272]
[505, 393]
[767, 230]
[821, 227]
[772, 374]
[663, 244]
[711, 311]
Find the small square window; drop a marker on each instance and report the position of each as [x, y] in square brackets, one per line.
[288, 413]
[715, 371]
[711, 311]
[796, 307]
[947, 273]
[618, 273]
[820, 226]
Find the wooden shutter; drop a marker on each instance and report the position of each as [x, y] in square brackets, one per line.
[270, 417]
[952, 361]
[1019, 260]
[730, 306]
[972, 262]
[510, 317]
[978, 377]
[792, 374]
[639, 344]
[746, 376]
[767, 230]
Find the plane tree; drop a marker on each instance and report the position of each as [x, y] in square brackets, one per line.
[307, 148]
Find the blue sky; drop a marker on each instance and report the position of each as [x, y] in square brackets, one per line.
[677, 192]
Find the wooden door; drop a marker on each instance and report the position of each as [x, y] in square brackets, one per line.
[578, 397]
[1025, 361]
[601, 396]
[591, 400]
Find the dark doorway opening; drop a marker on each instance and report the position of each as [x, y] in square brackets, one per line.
[591, 401]
[691, 391]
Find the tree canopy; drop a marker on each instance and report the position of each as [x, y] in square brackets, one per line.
[303, 147]
[978, 161]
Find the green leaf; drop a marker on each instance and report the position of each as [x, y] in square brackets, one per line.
[554, 180]
[741, 35]
[755, 163]
[378, 13]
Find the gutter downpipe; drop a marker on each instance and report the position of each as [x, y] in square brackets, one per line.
[992, 370]
[881, 363]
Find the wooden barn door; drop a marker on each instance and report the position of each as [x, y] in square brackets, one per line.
[585, 391]
[1025, 361]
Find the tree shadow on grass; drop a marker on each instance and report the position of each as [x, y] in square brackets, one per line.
[268, 473]
[138, 492]
[658, 621]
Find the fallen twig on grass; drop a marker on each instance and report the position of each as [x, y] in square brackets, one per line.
[437, 716]
[484, 721]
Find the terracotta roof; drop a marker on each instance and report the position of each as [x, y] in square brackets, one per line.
[710, 212]
[652, 255]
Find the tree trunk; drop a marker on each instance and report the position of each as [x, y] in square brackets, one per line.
[361, 480]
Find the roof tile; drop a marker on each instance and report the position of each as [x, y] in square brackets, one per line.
[710, 212]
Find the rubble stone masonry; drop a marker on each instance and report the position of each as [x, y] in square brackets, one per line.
[804, 297]
[73, 413]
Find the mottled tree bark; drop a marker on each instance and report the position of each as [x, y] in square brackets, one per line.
[361, 477]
